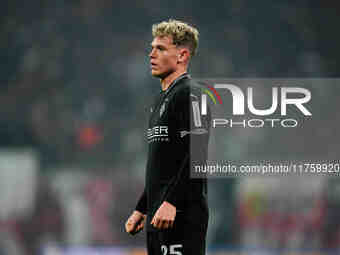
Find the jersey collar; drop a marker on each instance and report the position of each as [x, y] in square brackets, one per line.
[179, 78]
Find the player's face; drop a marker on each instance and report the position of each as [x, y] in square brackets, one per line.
[163, 56]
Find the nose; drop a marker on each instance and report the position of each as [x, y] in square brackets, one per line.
[152, 53]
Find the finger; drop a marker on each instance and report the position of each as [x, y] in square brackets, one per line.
[130, 226]
[134, 230]
[171, 224]
[140, 227]
[156, 222]
[127, 226]
[130, 229]
[137, 230]
[166, 224]
[161, 224]
[139, 220]
[153, 220]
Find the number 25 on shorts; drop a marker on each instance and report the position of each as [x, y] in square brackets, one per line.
[173, 249]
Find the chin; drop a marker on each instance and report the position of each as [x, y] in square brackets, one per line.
[157, 74]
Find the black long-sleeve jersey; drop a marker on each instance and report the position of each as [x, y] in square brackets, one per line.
[178, 137]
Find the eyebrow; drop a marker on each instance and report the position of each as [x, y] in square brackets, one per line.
[158, 46]
[163, 46]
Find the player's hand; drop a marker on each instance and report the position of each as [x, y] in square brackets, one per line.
[165, 216]
[135, 223]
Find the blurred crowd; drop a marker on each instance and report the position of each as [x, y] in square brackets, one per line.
[75, 87]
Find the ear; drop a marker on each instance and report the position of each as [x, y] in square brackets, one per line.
[183, 55]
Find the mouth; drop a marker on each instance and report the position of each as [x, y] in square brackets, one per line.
[153, 66]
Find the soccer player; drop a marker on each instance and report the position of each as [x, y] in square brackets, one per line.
[173, 206]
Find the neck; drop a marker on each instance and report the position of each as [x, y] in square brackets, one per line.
[166, 82]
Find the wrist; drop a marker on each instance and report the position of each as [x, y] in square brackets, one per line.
[138, 213]
[169, 204]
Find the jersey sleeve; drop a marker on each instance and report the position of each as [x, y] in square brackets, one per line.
[191, 130]
[142, 203]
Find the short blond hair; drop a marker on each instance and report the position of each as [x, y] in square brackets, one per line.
[182, 34]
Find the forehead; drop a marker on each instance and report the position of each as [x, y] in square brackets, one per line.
[162, 40]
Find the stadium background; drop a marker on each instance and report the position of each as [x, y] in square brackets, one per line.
[75, 87]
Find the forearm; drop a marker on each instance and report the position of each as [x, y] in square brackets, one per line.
[142, 203]
[176, 187]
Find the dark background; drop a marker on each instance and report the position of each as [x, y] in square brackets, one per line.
[75, 88]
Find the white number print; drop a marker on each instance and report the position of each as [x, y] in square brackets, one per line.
[164, 249]
[172, 249]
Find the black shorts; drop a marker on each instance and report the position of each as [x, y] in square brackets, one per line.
[183, 239]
